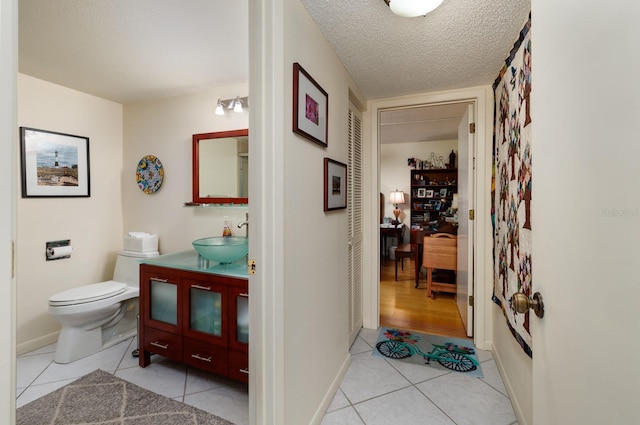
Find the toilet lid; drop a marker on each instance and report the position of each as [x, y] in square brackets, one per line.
[88, 293]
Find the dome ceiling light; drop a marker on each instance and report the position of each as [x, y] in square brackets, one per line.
[412, 8]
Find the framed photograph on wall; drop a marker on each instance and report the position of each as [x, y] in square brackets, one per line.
[335, 185]
[54, 164]
[310, 107]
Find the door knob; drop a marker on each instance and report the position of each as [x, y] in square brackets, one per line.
[521, 303]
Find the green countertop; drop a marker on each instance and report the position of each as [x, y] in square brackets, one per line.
[191, 261]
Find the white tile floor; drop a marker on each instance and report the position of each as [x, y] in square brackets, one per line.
[377, 391]
[374, 391]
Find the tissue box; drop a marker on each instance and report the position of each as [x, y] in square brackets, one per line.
[141, 242]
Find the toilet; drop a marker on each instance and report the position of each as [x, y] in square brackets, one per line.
[99, 315]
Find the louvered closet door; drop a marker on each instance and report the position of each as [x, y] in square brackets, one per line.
[354, 209]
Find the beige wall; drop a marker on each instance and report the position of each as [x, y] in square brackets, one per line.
[515, 366]
[93, 224]
[314, 281]
[164, 129]
[396, 174]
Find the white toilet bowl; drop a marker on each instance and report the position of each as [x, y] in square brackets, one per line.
[99, 315]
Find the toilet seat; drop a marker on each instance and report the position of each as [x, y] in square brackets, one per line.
[88, 293]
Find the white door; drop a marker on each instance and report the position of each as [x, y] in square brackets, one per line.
[586, 212]
[465, 225]
[354, 208]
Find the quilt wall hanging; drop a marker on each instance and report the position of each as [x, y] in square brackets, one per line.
[511, 188]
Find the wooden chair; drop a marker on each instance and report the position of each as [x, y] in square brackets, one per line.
[410, 250]
[440, 251]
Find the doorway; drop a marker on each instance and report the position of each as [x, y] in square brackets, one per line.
[482, 100]
[423, 138]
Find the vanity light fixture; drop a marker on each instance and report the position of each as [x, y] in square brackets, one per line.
[412, 8]
[237, 105]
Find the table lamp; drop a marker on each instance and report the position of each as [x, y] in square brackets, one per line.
[396, 197]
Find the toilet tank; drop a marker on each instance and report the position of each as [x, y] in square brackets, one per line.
[128, 266]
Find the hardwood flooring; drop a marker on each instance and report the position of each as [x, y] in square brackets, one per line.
[406, 307]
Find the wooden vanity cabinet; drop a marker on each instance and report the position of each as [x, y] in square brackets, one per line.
[193, 318]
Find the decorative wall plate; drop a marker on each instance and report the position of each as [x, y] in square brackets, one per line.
[149, 174]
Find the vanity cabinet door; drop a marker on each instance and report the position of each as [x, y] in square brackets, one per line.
[205, 311]
[160, 301]
[239, 318]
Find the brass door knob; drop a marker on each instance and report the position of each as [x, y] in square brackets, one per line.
[521, 303]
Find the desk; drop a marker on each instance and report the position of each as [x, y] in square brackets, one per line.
[389, 231]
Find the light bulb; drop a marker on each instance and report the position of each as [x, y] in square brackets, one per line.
[237, 107]
[219, 108]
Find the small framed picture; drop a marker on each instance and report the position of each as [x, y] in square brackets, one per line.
[437, 206]
[54, 164]
[443, 192]
[335, 185]
[422, 192]
[310, 107]
[429, 193]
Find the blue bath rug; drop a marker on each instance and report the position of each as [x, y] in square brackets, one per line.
[441, 352]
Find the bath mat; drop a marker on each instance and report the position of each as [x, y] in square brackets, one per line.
[101, 398]
[446, 353]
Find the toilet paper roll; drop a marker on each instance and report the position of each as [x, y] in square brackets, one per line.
[59, 252]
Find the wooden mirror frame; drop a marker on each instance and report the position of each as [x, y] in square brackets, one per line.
[196, 167]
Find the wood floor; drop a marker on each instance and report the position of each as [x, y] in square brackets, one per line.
[406, 307]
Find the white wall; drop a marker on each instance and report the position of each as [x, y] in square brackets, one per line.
[93, 224]
[315, 279]
[302, 344]
[396, 174]
[164, 129]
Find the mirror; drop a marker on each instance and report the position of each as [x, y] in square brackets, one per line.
[220, 167]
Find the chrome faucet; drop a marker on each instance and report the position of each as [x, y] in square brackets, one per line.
[245, 223]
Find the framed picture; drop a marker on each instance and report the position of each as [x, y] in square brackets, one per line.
[310, 107]
[335, 185]
[54, 164]
[422, 192]
[443, 192]
[429, 193]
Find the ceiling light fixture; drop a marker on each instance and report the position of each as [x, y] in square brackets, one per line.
[412, 8]
[237, 105]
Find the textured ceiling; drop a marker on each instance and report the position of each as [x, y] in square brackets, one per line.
[130, 51]
[463, 43]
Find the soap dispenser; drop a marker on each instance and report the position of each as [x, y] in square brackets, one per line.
[226, 232]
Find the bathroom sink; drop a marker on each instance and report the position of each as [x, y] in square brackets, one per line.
[220, 249]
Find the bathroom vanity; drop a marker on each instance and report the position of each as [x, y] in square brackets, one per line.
[195, 314]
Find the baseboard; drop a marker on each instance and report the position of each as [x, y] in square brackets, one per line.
[333, 389]
[507, 384]
[34, 344]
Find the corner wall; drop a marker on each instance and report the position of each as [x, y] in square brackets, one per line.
[164, 129]
[93, 224]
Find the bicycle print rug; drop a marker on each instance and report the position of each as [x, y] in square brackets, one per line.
[441, 352]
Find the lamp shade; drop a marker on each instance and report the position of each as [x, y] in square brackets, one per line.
[396, 197]
[413, 8]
